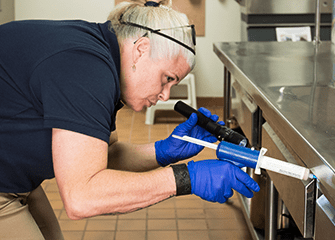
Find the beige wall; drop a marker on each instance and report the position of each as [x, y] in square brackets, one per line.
[6, 11]
[222, 24]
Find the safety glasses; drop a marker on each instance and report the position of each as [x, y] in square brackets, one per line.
[157, 31]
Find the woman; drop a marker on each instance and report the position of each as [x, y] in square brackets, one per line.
[61, 85]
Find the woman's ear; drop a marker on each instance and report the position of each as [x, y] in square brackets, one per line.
[140, 48]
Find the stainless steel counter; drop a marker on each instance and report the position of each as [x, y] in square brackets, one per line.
[293, 83]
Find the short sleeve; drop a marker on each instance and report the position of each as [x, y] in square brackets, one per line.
[77, 91]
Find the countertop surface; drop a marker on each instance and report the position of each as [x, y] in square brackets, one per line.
[294, 85]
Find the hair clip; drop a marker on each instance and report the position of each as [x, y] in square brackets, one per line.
[151, 4]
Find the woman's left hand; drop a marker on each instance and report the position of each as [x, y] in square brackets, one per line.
[172, 150]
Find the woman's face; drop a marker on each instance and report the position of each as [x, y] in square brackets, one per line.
[152, 81]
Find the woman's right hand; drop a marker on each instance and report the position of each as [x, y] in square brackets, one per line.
[214, 180]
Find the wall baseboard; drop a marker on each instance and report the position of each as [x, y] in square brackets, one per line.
[171, 116]
[210, 101]
[207, 101]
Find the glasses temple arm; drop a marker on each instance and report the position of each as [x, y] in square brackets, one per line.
[157, 32]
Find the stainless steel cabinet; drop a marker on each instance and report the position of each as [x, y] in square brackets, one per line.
[297, 195]
[288, 90]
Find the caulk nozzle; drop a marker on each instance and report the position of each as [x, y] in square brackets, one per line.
[311, 175]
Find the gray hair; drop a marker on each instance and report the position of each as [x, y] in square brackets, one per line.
[161, 17]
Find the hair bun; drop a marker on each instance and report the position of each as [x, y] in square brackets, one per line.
[167, 3]
[152, 4]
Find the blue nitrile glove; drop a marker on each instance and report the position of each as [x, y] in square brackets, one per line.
[214, 180]
[239, 165]
[172, 150]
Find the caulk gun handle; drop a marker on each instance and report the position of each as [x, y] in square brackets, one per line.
[220, 132]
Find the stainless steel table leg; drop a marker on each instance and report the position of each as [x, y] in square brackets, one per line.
[271, 210]
[226, 92]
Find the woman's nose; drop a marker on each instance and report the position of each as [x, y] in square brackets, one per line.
[165, 94]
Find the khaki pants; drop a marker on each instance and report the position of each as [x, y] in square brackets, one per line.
[28, 216]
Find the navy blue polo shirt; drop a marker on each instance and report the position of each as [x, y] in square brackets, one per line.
[53, 74]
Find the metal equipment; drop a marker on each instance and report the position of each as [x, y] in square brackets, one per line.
[260, 18]
[282, 95]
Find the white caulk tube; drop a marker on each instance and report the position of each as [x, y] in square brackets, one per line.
[252, 158]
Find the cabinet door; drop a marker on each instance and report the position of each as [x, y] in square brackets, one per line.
[6, 11]
[297, 195]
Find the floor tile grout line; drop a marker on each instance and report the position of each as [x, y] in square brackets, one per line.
[149, 129]
[146, 224]
[147, 212]
[84, 232]
[168, 129]
[131, 126]
[116, 225]
[129, 141]
[176, 217]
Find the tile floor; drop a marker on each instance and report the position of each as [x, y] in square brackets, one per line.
[178, 218]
